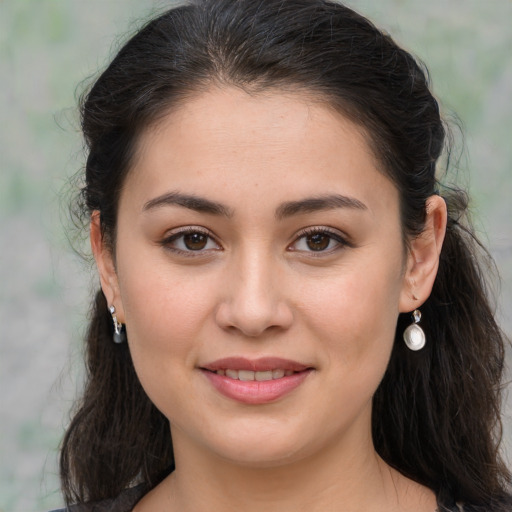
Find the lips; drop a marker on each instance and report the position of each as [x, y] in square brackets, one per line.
[255, 381]
[256, 365]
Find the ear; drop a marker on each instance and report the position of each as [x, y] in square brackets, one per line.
[423, 257]
[106, 266]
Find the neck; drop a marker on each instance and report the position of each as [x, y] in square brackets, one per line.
[308, 485]
[349, 477]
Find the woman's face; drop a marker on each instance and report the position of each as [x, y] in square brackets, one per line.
[257, 239]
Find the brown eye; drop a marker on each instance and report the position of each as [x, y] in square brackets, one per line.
[318, 241]
[195, 241]
[189, 242]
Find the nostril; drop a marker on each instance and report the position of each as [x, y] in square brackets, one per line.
[254, 317]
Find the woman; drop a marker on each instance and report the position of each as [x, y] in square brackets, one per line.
[287, 291]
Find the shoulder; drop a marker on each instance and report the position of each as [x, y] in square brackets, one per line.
[124, 502]
[498, 506]
[446, 503]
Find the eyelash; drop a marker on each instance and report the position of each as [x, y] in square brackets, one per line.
[341, 241]
[304, 233]
[166, 242]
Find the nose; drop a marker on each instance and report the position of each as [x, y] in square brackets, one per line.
[254, 300]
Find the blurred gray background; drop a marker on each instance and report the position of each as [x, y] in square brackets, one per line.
[47, 47]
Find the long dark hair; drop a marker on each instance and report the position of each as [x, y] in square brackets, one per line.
[436, 414]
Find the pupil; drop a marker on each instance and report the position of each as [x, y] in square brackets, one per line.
[318, 242]
[195, 241]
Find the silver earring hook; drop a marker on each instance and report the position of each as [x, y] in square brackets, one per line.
[119, 335]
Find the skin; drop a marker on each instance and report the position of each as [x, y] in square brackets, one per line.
[258, 289]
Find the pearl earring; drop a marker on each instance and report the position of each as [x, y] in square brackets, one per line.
[414, 336]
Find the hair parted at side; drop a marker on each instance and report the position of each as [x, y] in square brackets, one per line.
[436, 412]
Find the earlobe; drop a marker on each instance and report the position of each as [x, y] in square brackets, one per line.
[423, 256]
[105, 264]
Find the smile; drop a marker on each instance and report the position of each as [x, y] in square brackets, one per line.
[257, 381]
[247, 375]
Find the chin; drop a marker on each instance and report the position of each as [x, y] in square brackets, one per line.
[255, 458]
[262, 448]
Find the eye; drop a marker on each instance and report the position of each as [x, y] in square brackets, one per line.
[318, 240]
[190, 240]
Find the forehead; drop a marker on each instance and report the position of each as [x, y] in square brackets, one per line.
[226, 141]
[248, 119]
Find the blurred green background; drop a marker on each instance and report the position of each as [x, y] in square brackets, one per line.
[47, 47]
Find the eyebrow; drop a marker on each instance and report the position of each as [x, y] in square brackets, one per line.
[321, 203]
[192, 202]
[285, 210]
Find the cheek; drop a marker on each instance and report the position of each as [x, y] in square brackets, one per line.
[165, 319]
[356, 328]
[165, 310]
[158, 311]
[355, 313]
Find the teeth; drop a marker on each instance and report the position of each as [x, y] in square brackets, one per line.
[246, 375]
[277, 374]
[263, 375]
[232, 374]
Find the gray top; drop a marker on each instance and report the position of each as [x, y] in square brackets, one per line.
[129, 498]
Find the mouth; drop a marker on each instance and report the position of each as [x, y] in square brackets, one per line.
[260, 365]
[257, 381]
[261, 376]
